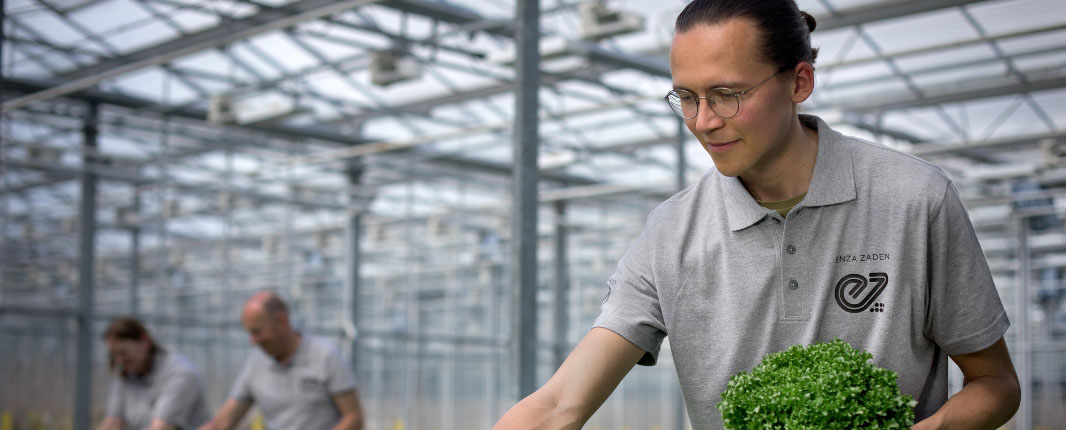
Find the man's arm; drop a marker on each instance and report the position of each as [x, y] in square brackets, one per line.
[351, 412]
[111, 423]
[584, 381]
[990, 393]
[230, 414]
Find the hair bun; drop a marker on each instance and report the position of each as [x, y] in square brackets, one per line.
[811, 22]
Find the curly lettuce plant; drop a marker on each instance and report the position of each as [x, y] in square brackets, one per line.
[824, 386]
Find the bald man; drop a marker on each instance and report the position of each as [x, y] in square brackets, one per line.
[297, 381]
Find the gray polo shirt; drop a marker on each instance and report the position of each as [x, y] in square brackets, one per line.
[880, 254]
[298, 395]
[173, 391]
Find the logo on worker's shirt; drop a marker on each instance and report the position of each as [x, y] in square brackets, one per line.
[310, 385]
[610, 284]
[855, 293]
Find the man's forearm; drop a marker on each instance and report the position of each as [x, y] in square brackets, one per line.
[539, 411]
[986, 402]
[349, 422]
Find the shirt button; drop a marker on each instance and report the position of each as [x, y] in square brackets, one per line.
[793, 284]
[791, 249]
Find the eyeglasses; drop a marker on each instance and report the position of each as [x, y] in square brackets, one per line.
[723, 101]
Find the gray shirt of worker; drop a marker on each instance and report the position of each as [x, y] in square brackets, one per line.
[299, 394]
[173, 391]
[880, 253]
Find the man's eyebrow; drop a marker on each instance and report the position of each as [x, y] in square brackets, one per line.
[732, 86]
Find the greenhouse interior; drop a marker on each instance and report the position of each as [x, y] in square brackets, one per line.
[441, 189]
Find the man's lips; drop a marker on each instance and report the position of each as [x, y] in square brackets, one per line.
[720, 146]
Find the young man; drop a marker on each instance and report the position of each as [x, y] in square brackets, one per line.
[298, 382]
[798, 235]
[152, 388]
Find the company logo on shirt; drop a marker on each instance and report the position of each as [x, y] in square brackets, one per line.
[310, 385]
[854, 292]
[610, 283]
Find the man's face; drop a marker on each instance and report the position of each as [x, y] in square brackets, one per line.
[263, 331]
[130, 356]
[728, 55]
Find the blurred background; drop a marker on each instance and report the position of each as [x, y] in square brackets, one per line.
[166, 158]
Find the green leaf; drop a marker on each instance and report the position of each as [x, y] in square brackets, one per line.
[822, 386]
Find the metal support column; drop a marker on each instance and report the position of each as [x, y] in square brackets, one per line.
[524, 196]
[1023, 345]
[133, 300]
[352, 261]
[86, 241]
[562, 286]
[682, 133]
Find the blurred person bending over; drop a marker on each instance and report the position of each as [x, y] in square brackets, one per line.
[153, 388]
[799, 234]
[298, 382]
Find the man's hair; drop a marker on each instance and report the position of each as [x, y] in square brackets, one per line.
[786, 31]
[274, 306]
[129, 328]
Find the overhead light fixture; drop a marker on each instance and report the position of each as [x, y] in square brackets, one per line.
[387, 68]
[221, 110]
[599, 22]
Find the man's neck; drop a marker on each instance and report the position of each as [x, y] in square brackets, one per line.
[290, 351]
[790, 173]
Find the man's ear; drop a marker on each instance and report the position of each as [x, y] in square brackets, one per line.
[803, 82]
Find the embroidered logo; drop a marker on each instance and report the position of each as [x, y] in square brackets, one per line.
[851, 288]
[310, 385]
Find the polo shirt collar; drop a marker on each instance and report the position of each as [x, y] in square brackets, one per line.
[297, 356]
[833, 181]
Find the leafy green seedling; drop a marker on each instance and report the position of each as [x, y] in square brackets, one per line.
[823, 386]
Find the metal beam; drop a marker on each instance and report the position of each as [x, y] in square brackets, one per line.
[133, 298]
[1023, 339]
[353, 263]
[447, 13]
[86, 288]
[130, 102]
[561, 288]
[885, 11]
[524, 196]
[220, 35]
[1011, 143]
[963, 94]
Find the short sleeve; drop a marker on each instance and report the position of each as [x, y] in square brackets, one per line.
[631, 307]
[177, 397]
[242, 390]
[339, 374]
[114, 398]
[965, 312]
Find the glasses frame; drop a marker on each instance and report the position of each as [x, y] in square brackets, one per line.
[722, 92]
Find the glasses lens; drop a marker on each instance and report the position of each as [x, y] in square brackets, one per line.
[725, 105]
[683, 103]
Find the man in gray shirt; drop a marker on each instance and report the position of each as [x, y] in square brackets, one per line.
[298, 382]
[153, 388]
[799, 234]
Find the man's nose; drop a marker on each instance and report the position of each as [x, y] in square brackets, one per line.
[706, 119]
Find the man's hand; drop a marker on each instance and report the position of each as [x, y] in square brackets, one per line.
[584, 381]
[989, 396]
[231, 413]
[111, 423]
[351, 412]
[158, 424]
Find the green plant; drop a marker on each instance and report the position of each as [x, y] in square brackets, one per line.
[824, 386]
